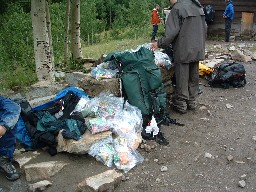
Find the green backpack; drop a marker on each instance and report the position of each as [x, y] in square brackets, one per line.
[141, 80]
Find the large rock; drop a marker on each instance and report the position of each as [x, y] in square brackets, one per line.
[43, 89]
[24, 158]
[83, 145]
[250, 54]
[39, 186]
[42, 171]
[94, 87]
[238, 55]
[106, 181]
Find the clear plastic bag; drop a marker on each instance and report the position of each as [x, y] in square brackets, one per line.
[128, 124]
[124, 120]
[125, 158]
[105, 70]
[108, 105]
[103, 151]
[162, 59]
[97, 125]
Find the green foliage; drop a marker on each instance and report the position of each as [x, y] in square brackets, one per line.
[16, 77]
[90, 25]
[57, 14]
[17, 54]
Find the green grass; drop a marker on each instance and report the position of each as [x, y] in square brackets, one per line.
[95, 51]
[16, 79]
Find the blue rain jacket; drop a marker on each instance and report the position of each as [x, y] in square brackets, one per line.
[229, 11]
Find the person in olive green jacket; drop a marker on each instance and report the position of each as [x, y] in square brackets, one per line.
[186, 30]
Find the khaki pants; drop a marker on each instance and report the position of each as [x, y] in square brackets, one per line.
[187, 83]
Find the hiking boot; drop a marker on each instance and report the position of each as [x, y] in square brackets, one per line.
[179, 110]
[147, 136]
[10, 171]
[191, 106]
[159, 138]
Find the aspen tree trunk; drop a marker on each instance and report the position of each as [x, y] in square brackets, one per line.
[49, 29]
[66, 55]
[75, 31]
[43, 56]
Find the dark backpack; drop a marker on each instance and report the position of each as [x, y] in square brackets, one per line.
[29, 120]
[209, 14]
[141, 79]
[228, 74]
[142, 83]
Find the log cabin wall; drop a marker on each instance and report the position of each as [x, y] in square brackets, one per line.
[240, 6]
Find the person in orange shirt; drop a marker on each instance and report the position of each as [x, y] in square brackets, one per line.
[155, 20]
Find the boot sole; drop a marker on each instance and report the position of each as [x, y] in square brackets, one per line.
[8, 178]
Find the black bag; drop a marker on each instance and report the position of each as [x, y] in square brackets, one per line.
[228, 74]
[65, 104]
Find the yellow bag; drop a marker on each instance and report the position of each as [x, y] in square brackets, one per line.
[204, 70]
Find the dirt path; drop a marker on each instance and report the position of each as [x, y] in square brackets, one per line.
[197, 157]
[212, 152]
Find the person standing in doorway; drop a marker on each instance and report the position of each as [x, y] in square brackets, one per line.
[228, 15]
[186, 30]
[155, 21]
[9, 115]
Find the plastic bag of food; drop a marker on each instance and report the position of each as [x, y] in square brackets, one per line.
[105, 70]
[125, 158]
[103, 151]
[97, 125]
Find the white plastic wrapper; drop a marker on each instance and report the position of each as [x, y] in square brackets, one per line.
[162, 59]
[152, 127]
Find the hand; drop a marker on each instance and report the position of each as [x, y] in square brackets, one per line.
[2, 131]
[153, 46]
[224, 16]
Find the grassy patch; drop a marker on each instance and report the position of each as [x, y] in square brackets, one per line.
[95, 51]
[16, 79]
[215, 37]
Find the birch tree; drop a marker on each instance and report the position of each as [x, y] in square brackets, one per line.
[66, 34]
[49, 29]
[76, 49]
[43, 55]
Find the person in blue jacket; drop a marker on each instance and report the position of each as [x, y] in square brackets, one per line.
[9, 115]
[228, 15]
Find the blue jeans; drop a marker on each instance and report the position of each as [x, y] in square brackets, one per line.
[227, 29]
[9, 114]
[155, 29]
[8, 143]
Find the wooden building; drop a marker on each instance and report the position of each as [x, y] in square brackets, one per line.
[245, 16]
